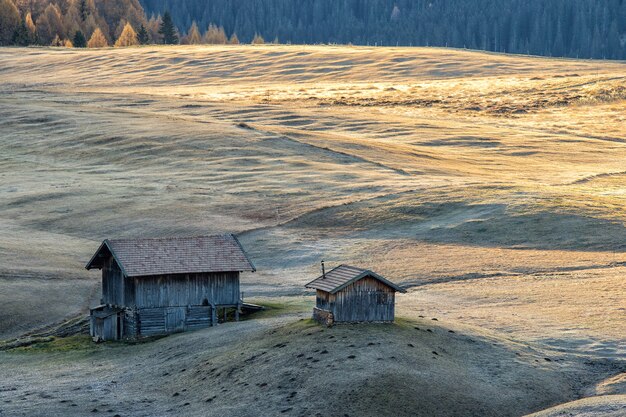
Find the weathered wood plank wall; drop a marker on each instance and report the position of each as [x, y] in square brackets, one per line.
[164, 303]
[365, 300]
[130, 323]
[322, 300]
[198, 317]
[187, 289]
[151, 321]
[160, 320]
[112, 283]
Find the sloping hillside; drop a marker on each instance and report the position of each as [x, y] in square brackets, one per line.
[290, 366]
[363, 155]
[491, 186]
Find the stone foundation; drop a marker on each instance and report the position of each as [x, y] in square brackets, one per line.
[323, 317]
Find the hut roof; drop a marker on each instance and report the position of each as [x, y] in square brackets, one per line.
[340, 277]
[174, 255]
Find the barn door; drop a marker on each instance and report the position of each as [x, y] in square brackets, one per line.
[175, 319]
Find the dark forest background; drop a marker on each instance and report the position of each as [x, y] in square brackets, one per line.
[569, 28]
[573, 28]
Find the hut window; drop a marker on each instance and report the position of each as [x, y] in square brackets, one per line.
[205, 302]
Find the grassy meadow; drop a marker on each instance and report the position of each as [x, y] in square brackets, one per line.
[492, 186]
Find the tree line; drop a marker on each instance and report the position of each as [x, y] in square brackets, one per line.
[96, 24]
[572, 28]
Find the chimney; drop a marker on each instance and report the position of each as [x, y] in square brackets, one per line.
[323, 270]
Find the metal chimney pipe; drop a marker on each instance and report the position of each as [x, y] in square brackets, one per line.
[323, 270]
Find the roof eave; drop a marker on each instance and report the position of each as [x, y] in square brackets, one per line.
[308, 285]
[185, 273]
[95, 255]
[106, 243]
[369, 273]
[252, 267]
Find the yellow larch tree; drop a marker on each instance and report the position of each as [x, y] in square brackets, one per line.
[215, 35]
[128, 37]
[193, 37]
[258, 40]
[97, 40]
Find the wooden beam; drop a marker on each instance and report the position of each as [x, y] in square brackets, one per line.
[213, 315]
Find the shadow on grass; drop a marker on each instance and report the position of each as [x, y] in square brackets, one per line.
[460, 222]
[272, 308]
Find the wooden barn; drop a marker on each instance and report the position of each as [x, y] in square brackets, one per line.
[347, 294]
[160, 286]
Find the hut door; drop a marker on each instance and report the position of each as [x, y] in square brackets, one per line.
[175, 319]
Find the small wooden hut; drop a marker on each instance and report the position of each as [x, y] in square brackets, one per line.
[166, 285]
[349, 294]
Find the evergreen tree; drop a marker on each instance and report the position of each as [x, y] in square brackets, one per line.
[84, 11]
[142, 36]
[168, 30]
[21, 36]
[79, 40]
[557, 27]
[575, 28]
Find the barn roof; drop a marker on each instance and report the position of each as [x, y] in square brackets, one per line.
[340, 277]
[174, 255]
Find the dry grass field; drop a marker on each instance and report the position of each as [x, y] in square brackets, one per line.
[492, 186]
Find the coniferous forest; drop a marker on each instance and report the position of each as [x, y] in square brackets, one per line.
[569, 28]
[573, 28]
